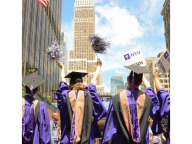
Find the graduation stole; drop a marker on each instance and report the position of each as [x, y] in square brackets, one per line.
[77, 106]
[82, 108]
[122, 110]
[28, 137]
[23, 105]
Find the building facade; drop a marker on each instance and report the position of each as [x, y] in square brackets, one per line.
[166, 13]
[63, 47]
[82, 58]
[120, 88]
[41, 26]
[115, 81]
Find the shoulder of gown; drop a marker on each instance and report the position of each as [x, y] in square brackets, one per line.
[155, 110]
[164, 99]
[154, 100]
[42, 130]
[60, 94]
[99, 110]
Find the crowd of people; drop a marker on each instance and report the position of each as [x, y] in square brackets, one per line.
[133, 116]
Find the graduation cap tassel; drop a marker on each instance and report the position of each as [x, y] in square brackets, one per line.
[31, 89]
[133, 81]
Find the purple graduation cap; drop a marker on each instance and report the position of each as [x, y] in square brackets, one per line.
[33, 81]
[136, 69]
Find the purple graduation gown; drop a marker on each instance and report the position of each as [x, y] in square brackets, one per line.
[164, 99]
[42, 128]
[99, 111]
[112, 129]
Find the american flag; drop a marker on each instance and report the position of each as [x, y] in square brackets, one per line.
[43, 2]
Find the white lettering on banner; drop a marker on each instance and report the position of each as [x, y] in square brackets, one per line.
[138, 63]
[161, 65]
[164, 62]
[134, 57]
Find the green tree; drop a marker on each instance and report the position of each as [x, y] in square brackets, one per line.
[23, 90]
[49, 98]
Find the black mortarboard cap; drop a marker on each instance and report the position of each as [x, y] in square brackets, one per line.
[137, 69]
[33, 79]
[76, 76]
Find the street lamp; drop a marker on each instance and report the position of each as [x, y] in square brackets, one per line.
[54, 91]
[32, 70]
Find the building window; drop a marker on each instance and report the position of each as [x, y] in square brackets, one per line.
[165, 86]
[165, 81]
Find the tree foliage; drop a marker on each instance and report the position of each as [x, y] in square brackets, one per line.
[49, 98]
[23, 90]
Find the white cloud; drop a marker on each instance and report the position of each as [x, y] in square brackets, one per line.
[161, 30]
[107, 89]
[98, 1]
[117, 24]
[120, 28]
[120, 72]
[148, 11]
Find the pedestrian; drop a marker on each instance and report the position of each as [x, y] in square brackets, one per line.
[80, 108]
[59, 131]
[35, 117]
[54, 132]
[164, 99]
[127, 119]
[154, 139]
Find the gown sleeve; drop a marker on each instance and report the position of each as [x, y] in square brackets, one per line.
[99, 110]
[154, 111]
[164, 99]
[154, 101]
[44, 124]
[111, 125]
[60, 95]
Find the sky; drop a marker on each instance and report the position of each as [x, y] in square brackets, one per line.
[127, 24]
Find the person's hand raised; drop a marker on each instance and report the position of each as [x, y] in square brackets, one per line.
[156, 74]
[99, 63]
[60, 64]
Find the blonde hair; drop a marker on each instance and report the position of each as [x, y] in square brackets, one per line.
[77, 86]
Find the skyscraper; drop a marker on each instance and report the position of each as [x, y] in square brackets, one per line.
[115, 81]
[63, 47]
[82, 57]
[41, 26]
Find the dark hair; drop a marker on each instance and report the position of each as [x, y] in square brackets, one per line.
[28, 90]
[138, 78]
[77, 86]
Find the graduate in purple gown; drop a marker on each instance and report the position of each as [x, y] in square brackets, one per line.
[164, 99]
[127, 119]
[35, 117]
[80, 108]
